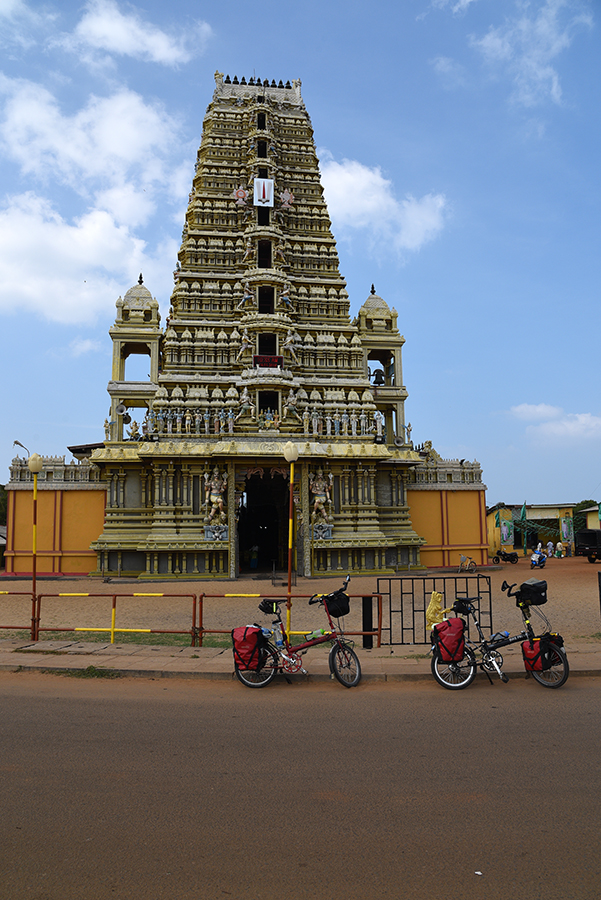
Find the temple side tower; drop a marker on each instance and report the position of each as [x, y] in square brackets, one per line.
[258, 349]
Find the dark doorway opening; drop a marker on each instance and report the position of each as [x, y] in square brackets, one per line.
[264, 254]
[269, 400]
[263, 523]
[268, 345]
[266, 299]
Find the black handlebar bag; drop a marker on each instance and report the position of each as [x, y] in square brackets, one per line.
[338, 604]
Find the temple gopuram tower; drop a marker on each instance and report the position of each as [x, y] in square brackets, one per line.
[258, 349]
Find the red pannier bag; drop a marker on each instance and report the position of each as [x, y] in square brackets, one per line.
[249, 643]
[536, 653]
[448, 636]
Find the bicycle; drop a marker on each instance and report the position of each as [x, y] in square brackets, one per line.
[484, 654]
[466, 564]
[287, 658]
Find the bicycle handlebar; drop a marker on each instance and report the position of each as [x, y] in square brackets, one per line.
[318, 598]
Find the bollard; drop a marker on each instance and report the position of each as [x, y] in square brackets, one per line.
[368, 622]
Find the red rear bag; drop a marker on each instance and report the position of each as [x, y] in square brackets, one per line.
[248, 643]
[449, 639]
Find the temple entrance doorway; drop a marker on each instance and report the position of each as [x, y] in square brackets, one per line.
[263, 523]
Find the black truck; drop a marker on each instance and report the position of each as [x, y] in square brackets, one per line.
[588, 543]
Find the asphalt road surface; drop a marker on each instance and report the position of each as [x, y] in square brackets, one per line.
[186, 789]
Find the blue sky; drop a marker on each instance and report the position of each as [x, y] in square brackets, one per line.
[459, 143]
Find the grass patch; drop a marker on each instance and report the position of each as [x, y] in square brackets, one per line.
[92, 672]
[412, 655]
[217, 640]
[103, 637]
[597, 635]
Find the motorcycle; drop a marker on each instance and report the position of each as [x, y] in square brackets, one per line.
[538, 560]
[504, 556]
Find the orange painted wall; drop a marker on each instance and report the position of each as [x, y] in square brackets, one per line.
[452, 522]
[68, 522]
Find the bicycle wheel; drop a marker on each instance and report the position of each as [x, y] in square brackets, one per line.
[345, 665]
[256, 678]
[471, 566]
[559, 671]
[455, 675]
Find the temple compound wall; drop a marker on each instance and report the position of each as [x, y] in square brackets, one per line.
[258, 350]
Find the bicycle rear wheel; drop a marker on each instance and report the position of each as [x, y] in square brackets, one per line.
[558, 673]
[257, 678]
[345, 665]
[455, 675]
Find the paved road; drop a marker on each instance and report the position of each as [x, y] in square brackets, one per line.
[146, 789]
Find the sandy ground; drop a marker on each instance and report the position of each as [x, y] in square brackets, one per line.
[573, 606]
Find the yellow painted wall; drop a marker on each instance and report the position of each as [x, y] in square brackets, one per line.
[68, 522]
[453, 524]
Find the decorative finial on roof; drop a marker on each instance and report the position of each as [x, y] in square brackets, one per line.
[140, 279]
[373, 290]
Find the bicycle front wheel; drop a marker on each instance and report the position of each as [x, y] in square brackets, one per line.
[345, 665]
[558, 673]
[257, 678]
[455, 675]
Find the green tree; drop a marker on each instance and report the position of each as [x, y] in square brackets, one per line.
[3, 504]
[579, 516]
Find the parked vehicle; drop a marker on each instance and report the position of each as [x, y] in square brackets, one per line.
[456, 659]
[538, 560]
[257, 660]
[466, 564]
[588, 543]
[505, 556]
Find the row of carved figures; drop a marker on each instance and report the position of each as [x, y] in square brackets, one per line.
[223, 421]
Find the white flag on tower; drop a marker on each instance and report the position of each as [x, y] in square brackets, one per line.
[263, 195]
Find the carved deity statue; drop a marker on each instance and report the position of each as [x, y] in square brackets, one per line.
[246, 405]
[215, 488]
[246, 344]
[319, 487]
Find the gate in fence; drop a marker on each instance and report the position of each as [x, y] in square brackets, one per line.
[405, 601]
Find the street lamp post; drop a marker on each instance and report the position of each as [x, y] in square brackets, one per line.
[35, 464]
[291, 454]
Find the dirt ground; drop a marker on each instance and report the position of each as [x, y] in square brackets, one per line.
[573, 606]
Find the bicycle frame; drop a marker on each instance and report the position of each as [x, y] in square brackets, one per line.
[288, 650]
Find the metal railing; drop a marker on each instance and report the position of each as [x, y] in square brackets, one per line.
[41, 606]
[406, 601]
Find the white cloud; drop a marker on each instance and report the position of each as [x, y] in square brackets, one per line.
[452, 73]
[82, 346]
[536, 411]
[360, 197]
[104, 28]
[553, 423]
[457, 6]
[110, 139]
[67, 272]
[527, 46]
[19, 23]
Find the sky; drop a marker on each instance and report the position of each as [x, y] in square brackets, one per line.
[459, 146]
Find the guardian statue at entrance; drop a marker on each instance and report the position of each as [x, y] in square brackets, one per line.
[319, 486]
[215, 488]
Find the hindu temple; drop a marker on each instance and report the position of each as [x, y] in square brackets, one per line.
[259, 349]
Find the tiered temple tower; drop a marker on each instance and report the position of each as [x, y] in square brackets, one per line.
[258, 350]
